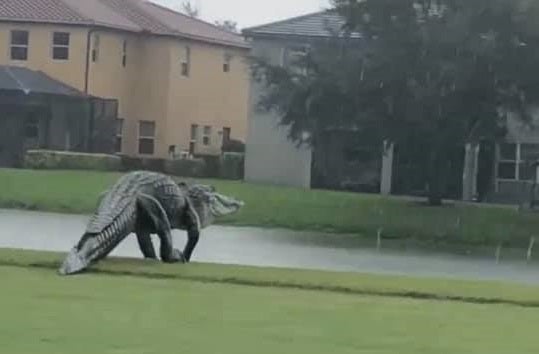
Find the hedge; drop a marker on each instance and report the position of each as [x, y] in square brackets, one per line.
[65, 160]
[228, 166]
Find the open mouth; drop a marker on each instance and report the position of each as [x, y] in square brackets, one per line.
[222, 205]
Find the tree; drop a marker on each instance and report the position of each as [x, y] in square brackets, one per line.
[228, 25]
[441, 72]
[190, 9]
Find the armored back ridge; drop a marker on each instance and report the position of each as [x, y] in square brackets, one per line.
[148, 203]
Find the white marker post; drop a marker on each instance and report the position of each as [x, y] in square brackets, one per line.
[379, 239]
[530, 249]
[498, 253]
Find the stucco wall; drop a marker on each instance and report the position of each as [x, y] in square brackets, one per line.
[150, 86]
[270, 156]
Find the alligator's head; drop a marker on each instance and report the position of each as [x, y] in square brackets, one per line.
[210, 205]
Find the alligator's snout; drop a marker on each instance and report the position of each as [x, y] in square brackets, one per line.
[73, 263]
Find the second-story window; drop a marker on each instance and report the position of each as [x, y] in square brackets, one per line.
[95, 49]
[226, 62]
[124, 53]
[60, 46]
[186, 61]
[19, 45]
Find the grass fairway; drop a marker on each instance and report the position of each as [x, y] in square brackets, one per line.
[297, 209]
[100, 313]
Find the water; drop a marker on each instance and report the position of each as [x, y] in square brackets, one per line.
[275, 248]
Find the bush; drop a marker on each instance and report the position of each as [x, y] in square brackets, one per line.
[234, 146]
[137, 163]
[67, 160]
[232, 166]
[186, 167]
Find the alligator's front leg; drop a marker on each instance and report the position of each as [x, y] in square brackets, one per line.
[152, 208]
[192, 224]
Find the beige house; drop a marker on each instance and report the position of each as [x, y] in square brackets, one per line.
[182, 84]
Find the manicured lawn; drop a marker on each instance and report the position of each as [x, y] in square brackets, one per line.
[106, 313]
[333, 282]
[266, 206]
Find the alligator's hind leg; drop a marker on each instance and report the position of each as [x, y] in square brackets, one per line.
[143, 231]
[145, 244]
[152, 208]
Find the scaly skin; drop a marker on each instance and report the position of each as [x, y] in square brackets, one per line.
[148, 203]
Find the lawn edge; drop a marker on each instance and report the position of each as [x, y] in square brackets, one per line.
[47, 260]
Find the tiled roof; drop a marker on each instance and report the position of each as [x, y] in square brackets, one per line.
[131, 15]
[13, 78]
[318, 24]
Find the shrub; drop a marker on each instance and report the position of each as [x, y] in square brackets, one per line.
[232, 166]
[68, 160]
[186, 167]
[137, 163]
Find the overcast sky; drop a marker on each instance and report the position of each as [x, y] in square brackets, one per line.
[249, 13]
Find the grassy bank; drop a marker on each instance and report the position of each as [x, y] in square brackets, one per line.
[483, 292]
[104, 313]
[266, 206]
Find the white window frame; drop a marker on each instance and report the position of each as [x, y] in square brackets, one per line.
[185, 62]
[148, 137]
[516, 161]
[61, 46]
[120, 134]
[11, 45]
[95, 48]
[206, 135]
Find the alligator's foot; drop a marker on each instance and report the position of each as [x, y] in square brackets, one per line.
[176, 257]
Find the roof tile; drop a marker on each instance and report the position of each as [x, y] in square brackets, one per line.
[318, 24]
[41, 10]
[131, 15]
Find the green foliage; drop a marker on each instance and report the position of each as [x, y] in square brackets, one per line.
[185, 167]
[442, 73]
[232, 166]
[62, 160]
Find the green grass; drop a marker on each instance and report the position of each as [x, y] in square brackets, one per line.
[103, 313]
[296, 209]
[334, 282]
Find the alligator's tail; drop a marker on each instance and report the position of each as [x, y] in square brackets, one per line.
[77, 260]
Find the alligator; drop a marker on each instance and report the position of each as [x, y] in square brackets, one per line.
[146, 203]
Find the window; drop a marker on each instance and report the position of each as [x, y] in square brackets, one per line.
[194, 132]
[19, 45]
[124, 53]
[119, 134]
[146, 138]
[60, 46]
[226, 135]
[294, 58]
[226, 63]
[186, 61]
[95, 49]
[507, 161]
[515, 161]
[206, 138]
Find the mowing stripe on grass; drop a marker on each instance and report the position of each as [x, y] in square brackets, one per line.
[246, 281]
